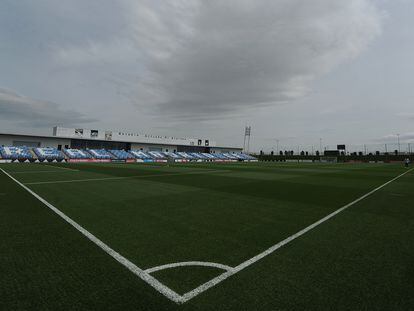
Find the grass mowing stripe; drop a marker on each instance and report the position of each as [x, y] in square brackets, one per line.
[62, 168]
[125, 177]
[166, 291]
[195, 292]
[31, 172]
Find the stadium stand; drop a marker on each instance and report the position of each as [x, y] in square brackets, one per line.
[209, 156]
[221, 157]
[157, 155]
[80, 155]
[140, 155]
[16, 153]
[186, 156]
[231, 156]
[173, 155]
[122, 154]
[77, 154]
[246, 157]
[198, 156]
[100, 154]
[48, 154]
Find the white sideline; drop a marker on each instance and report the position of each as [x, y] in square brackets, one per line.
[191, 294]
[30, 172]
[166, 291]
[62, 168]
[125, 177]
[189, 263]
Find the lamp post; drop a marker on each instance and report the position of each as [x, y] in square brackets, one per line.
[398, 139]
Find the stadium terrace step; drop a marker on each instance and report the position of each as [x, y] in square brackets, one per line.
[23, 153]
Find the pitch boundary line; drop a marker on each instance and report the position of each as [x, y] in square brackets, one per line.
[189, 263]
[62, 168]
[165, 290]
[195, 292]
[123, 177]
[157, 285]
[32, 172]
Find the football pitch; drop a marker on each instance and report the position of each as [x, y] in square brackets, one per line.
[206, 236]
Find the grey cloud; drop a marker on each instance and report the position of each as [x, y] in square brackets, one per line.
[404, 137]
[406, 115]
[216, 59]
[240, 55]
[29, 112]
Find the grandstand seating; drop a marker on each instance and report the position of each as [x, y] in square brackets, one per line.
[186, 155]
[198, 156]
[48, 154]
[140, 155]
[173, 155]
[209, 156]
[157, 155]
[122, 154]
[221, 156]
[25, 153]
[100, 154]
[231, 156]
[244, 156]
[16, 153]
[77, 154]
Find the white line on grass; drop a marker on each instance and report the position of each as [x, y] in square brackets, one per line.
[191, 294]
[33, 172]
[189, 263]
[124, 177]
[62, 168]
[166, 291]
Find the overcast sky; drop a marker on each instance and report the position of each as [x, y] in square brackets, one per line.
[295, 70]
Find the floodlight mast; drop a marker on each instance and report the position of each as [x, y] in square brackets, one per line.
[247, 132]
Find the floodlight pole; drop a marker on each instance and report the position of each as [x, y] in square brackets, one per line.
[247, 131]
[248, 140]
[398, 139]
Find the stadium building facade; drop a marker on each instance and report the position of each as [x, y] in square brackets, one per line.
[80, 138]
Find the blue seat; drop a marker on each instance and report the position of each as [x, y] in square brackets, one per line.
[49, 154]
[16, 153]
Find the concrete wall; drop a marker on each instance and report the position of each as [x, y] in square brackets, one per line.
[14, 140]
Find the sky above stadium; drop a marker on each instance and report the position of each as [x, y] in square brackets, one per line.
[297, 71]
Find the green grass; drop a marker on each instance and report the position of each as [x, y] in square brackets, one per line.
[362, 259]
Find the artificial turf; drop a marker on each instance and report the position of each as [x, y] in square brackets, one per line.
[224, 213]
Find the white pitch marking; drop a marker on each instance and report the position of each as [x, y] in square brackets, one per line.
[191, 294]
[189, 263]
[29, 172]
[62, 168]
[166, 291]
[120, 178]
